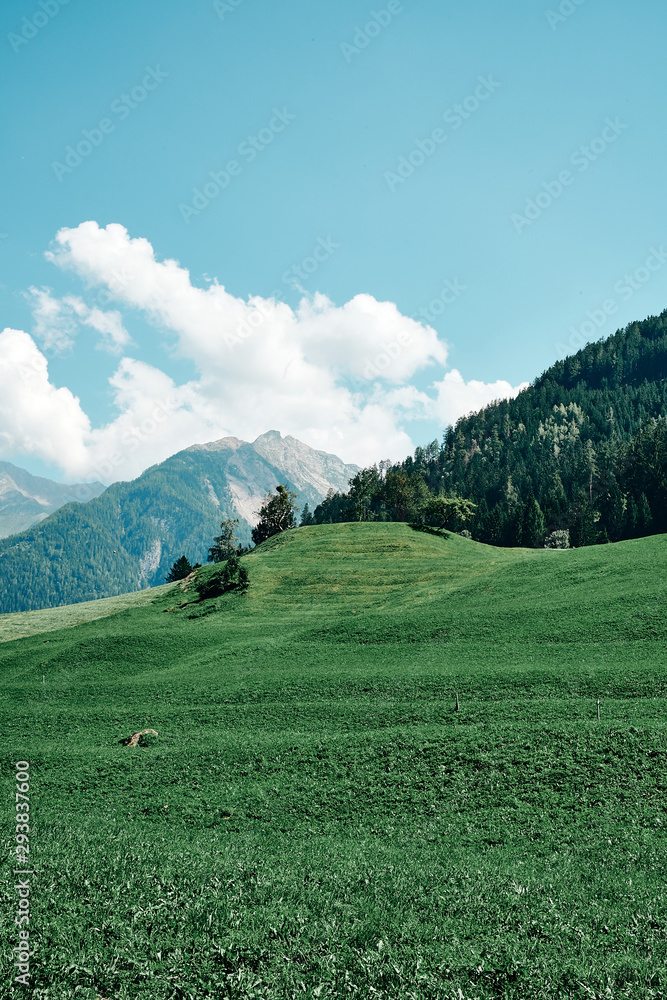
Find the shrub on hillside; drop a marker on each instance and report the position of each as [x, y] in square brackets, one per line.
[558, 540]
[232, 576]
[224, 545]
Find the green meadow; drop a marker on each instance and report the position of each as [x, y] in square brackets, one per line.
[315, 818]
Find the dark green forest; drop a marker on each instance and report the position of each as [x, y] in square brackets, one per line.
[578, 458]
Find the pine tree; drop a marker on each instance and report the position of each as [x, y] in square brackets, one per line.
[645, 518]
[533, 528]
[306, 517]
[584, 530]
[612, 513]
[224, 545]
[179, 570]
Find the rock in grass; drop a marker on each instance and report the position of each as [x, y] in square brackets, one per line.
[131, 741]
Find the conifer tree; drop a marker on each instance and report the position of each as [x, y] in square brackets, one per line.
[179, 570]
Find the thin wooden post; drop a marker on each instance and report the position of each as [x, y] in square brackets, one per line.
[457, 701]
[598, 709]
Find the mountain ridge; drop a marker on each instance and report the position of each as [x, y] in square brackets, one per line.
[26, 499]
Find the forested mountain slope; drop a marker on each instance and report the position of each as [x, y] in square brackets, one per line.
[583, 448]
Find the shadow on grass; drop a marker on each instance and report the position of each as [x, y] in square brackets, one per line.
[438, 532]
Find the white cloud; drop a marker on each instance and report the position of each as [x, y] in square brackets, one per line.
[53, 326]
[457, 397]
[367, 338]
[56, 321]
[215, 328]
[336, 377]
[155, 417]
[110, 324]
[35, 416]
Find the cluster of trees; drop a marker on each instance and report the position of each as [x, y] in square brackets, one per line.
[277, 513]
[181, 568]
[579, 457]
[579, 495]
[231, 576]
[390, 493]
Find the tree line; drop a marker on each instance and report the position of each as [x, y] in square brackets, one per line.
[278, 513]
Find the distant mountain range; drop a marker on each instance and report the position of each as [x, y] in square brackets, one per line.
[128, 537]
[27, 499]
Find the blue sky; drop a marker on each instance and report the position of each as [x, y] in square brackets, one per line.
[423, 205]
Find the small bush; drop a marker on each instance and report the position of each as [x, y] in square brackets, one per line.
[232, 576]
[558, 540]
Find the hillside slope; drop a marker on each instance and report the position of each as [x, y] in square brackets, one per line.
[130, 536]
[383, 584]
[314, 816]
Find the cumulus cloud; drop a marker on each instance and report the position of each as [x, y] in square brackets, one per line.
[53, 326]
[213, 327]
[337, 377]
[456, 397]
[35, 416]
[56, 321]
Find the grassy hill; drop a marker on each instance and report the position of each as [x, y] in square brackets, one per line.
[315, 818]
